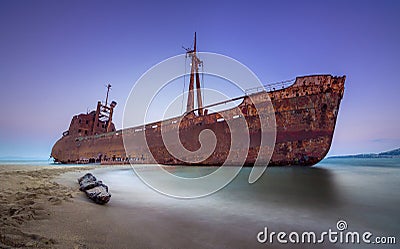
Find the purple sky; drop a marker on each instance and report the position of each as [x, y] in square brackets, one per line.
[56, 57]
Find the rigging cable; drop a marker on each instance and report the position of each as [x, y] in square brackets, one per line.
[202, 80]
[184, 84]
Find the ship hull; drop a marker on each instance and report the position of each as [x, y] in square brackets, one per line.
[305, 115]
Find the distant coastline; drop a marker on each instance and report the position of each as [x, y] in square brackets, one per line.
[387, 154]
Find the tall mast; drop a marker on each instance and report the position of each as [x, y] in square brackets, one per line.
[190, 101]
[194, 72]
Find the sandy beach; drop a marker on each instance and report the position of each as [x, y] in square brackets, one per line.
[29, 194]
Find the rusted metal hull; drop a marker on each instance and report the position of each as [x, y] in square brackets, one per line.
[305, 115]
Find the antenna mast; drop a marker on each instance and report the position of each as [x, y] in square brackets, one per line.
[108, 90]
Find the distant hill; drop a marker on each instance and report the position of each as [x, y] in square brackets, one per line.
[395, 153]
[388, 154]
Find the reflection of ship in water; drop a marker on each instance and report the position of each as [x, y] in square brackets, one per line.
[305, 110]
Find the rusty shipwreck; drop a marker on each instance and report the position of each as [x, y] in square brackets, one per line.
[305, 108]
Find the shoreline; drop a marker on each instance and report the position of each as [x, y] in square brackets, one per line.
[53, 213]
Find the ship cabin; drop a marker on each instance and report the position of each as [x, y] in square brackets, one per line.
[93, 123]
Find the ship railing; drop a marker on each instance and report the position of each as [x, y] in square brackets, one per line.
[270, 87]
